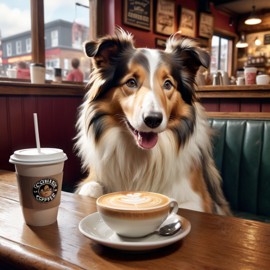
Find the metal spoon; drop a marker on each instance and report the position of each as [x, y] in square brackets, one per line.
[169, 228]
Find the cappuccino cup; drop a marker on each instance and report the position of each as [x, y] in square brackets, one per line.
[135, 213]
[39, 177]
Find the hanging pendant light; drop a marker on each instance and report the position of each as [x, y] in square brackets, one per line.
[253, 18]
[242, 42]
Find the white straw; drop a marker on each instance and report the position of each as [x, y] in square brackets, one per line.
[36, 132]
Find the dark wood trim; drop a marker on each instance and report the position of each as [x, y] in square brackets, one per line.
[239, 115]
[48, 89]
[37, 30]
[233, 91]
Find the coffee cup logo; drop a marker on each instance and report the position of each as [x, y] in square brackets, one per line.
[45, 190]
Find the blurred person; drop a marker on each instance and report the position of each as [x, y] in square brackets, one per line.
[76, 74]
[23, 71]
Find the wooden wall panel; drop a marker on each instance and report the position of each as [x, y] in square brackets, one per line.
[211, 105]
[236, 105]
[266, 106]
[30, 107]
[250, 106]
[5, 132]
[229, 105]
[46, 114]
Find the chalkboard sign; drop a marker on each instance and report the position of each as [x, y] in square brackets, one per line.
[266, 39]
[138, 13]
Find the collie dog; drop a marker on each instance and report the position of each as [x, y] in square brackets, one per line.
[141, 127]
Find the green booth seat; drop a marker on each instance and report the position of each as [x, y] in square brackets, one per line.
[242, 155]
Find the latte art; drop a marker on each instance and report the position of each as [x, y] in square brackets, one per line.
[133, 200]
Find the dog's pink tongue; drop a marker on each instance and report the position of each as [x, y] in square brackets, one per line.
[147, 140]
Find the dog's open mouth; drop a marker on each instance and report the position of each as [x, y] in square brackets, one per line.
[145, 140]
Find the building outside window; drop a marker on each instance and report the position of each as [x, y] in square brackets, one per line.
[15, 19]
[73, 29]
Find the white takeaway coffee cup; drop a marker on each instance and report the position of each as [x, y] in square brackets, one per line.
[37, 73]
[135, 213]
[250, 75]
[263, 79]
[39, 177]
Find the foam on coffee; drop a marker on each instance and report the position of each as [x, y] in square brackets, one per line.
[133, 200]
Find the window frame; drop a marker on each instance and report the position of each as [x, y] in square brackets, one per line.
[28, 45]
[37, 31]
[54, 38]
[9, 49]
[233, 37]
[18, 47]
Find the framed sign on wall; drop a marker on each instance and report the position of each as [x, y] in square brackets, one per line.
[187, 24]
[160, 43]
[266, 39]
[138, 14]
[206, 25]
[165, 17]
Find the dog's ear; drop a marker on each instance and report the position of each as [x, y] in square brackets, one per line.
[187, 57]
[101, 52]
[107, 48]
[188, 53]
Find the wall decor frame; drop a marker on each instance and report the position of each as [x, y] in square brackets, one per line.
[138, 14]
[266, 39]
[206, 25]
[187, 24]
[165, 17]
[160, 43]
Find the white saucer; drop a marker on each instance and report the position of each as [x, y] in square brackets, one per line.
[94, 228]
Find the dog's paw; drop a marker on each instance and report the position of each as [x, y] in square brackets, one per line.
[91, 189]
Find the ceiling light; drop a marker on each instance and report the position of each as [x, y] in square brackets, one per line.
[253, 18]
[242, 42]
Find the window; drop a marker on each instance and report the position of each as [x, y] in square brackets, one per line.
[9, 49]
[66, 27]
[54, 38]
[221, 54]
[18, 47]
[28, 45]
[15, 28]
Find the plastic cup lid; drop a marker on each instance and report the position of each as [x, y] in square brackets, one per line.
[32, 156]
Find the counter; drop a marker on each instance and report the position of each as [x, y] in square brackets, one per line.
[49, 89]
[232, 98]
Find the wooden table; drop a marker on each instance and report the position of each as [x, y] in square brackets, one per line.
[215, 242]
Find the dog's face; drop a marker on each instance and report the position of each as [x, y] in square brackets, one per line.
[143, 91]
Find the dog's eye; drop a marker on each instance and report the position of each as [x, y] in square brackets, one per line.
[131, 83]
[167, 85]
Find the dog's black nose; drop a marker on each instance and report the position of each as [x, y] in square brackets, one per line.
[152, 119]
